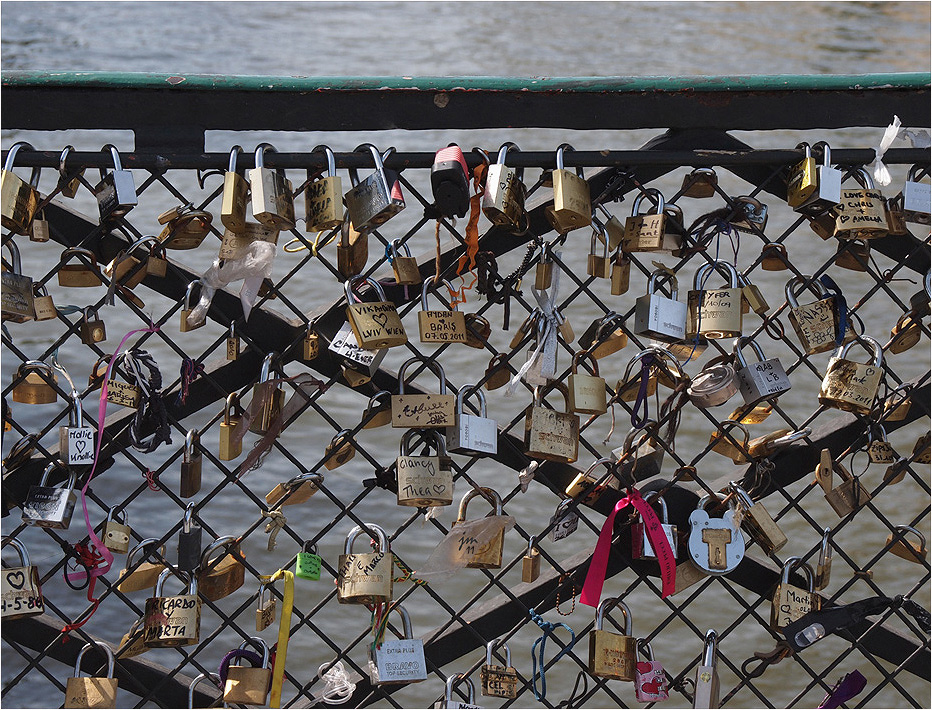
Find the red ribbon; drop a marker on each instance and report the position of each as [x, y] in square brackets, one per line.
[595, 578]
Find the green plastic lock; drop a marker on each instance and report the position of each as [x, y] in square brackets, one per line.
[308, 565]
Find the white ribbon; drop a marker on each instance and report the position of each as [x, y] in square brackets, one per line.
[918, 138]
[254, 265]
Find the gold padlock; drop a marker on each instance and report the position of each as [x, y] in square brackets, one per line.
[378, 411]
[274, 398]
[612, 655]
[339, 450]
[599, 266]
[906, 549]
[146, 574]
[621, 272]
[489, 555]
[503, 198]
[403, 264]
[127, 269]
[352, 250]
[221, 576]
[802, 179]
[323, 198]
[185, 227]
[186, 309]
[849, 496]
[644, 232]
[235, 195]
[816, 324]
[773, 257]
[543, 272]
[18, 199]
[81, 274]
[34, 383]
[173, 621]
[549, 434]
[587, 392]
[423, 411]
[296, 490]
[498, 681]
[497, 373]
[583, 482]
[424, 480]
[92, 692]
[861, 213]
[700, 183]
[443, 326]
[68, 182]
[365, 577]
[272, 201]
[572, 208]
[231, 446]
[92, 330]
[376, 325]
[714, 313]
[791, 603]
[852, 386]
[117, 534]
[530, 563]
[191, 465]
[249, 685]
[311, 343]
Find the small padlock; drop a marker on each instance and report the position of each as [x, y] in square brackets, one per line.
[896, 216]
[827, 191]
[530, 563]
[235, 195]
[824, 566]
[339, 450]
[917, 196]
[478, 330]
[146, 573]
[68, 182]
[39, 230]
[220, 576]
[19, 199]
[598, 265]
[726, 446]
[449, 182]
[398, 661]
[549, 434]
[233, 343]
[613, 228]
[641, 547]
[750, 215]
[816, 324]
[272, 201]
[489, 555]
[377, 324]
[706, 683]
[498, 681]
[852, 386]
[247, 685]
[117, 533]
[173, 621]
[612, 655]
[849, 496]
[76, 441]
[572, 207]
[497, 374]
[191, 465]
[564, 520]
[116, 191]
[853, 254]
[588, 486]
[308, 562]
[126, 269]
[674, 232]
[906, 549]
[92, 330]
[880, 450]
[449, 702]
[296, 490]
[20, 591]
[503, 198]
[19, 302]
[265, 608]
[650, 681]
[604, 336]
[657, 316]
[803, 180]
[189, 541]
[310, 343]
[587, 392]
[236, 245]
[352, 250]
[404, 265]
[621, 272]
[762, 528]
[50, 506]
[431, 411]
[791, 603]
[270, 395]
[543, 272]
[92, 692]
[83, 274]
[714, 313]
[764, 379]
[376, 199]
[752, 298]
[687, 574]
[716, 545]
[365, 577]
[231, 444]
[131, 645]
[472, 434]
[157, 262]
[774, 257]
[644, 232]
[34, 383]
[186, 324]
[699, 183]
[905, 334]
[378, 411]
[443, 326]
[323, 198]
[861, 212]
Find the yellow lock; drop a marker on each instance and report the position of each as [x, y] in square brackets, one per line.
[572, 207]
[19, 200]
[714, 312]
[365, 577]
[323, 198]
[444, 326]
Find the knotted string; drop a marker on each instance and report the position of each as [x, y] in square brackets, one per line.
[190, 371]
[537, 652]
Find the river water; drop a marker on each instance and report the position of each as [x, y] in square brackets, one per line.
[511, 39]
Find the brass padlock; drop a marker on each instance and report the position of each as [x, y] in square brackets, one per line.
[272, 398]
[852, 386]
[365, 577]
[423, 480]
[773, 257]
[905, 334]
[714, 313]
[185, 227]
[266, 610]
[906, 549]
[853, 254]
[791, 603]
[530, 563]
[186, 308]
[707, 684]
[824, 190]
[644, 232]
[339, 450]
[132, 645]
[816, 324]
[423, 411]
[613, 228]
[849, 496]
[117, 533]
[191, 465]
[31, 386]
[757, 521]
[549, 434]
[674, 232]
[498, 681]
[128, 270]
[146, 574]
[92, 330]
[173, 621]
[503, 198]
[587, 392]
[628, 388]
[590, 485]
[376, 199]
[604, 336]
[752, 298]
[18, 199]
[311, 343]
[497, 373]
[621, 272]
[233, 343]
[612, 655]
[272, 201]
[403, 265]
[81, 274]
[116, 191]
[323, 198]
[377, 324]
[726, 446]
[352, 250]
[444, 326]
[572, 207]
[19, 302]
[599, 266]
[543, 272]
[378, 411]
[235, 195]
[296, 490]
[478, 330]
[249, 685]
[802, 180]
[489, 555]
[68, 182]
[880, 450]
[220, 576]
[861, 212]
[39, 230]
[20, 591]
[92, 692]
[231, 443]
[700, 183]
[236, 245]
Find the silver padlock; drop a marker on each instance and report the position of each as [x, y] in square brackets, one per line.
[398, 661]
[76, 441]
[641, 547]
[707, 684]
[917, 196]
[362, 360]
[449, 702]
[18, 297]
[375, 200]
[764, 379]
[716, 545]
[116, 191]
[472, 434]
[657, 316]
[564, 521]
[827, 191]
[50, 506]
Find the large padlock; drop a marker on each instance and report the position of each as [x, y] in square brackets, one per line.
[592, 485]
[706, 683]
[83, 274]
[272, 200]
[644, 232]
[375, 324]
[758, 522]
[398, 661]
[449, 181]
[231, 445]
[816, 324]
[50, 506]
[489, 555]
[323, 198]
[612, 655]
[116, 191]
[220, 576]
[791, 603]
[861, 212]
[146, 574]
[657, 316]
[503, 198]
[449, 702]
[19, 200]
[34, 383]
[572, 207]
[235, 195]
[20, 591]
[173, 621]
[498, 681]
[340, 450]
[247, 685]
[93, 692]
[906, 549]
[404, 265]
[472, 434]
[295, 490]
[764, 379]
[750, 215]
[191, 465]
[641, 547]
[715, 312]
[444, 326]
[917, 196]
[699, 183]
[650, 682]
[92, 330]
[187, 324]
[117, 532]
[716, 545]
[598, 265]
[849, 496]
[376, 199]
[549, 434]
[852, 386]
[365, 577]
[587, 392]
[19, 301]
[273, 398]
[189, 541]
[423, 411]
[423, 480]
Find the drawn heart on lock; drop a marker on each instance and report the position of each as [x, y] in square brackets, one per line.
[17, 579]
[80, 444]
[438, 489]
[381, 319]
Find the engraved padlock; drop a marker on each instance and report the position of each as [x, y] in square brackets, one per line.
[472, 434]
[116, 191]
[564, 520]
[423, 480]
[93, 692]
[791, 603]
[816, 324]
[659, 317]
[572, 207]
[758, 522]
[398, 661]
[365, 577]
[19, 301]
[376, 199]
[587, 392]
[641, 547]
[503, 198]
[34, 383]
[145, 573]
[76, 441]
[549, 434]
[323, 198]
[308, 562]
[443, 326]
[173, 621]
[272, 200]
[650, 682]
[51, 506]
[861, 212]
[917, 196]
[423, 411]
[612, 655]
[117, 532]
[249, 685]
[852, 386]
[20, 591]
[716, 545]
[714, 312]
[489, 555]
[19, 199]
[376, 324]
[644, 232]
[764, 379]
[498, 681]
[404, 265]
[84, 273]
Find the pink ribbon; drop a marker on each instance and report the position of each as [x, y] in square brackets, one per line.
[595, 578]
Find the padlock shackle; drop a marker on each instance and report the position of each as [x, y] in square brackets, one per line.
[655, 497]
[741, 494]
[491, 646]
[36, 366]
[448, 689]
[724, 426]
[11, 154]
[70, 252]
[825, 549]
[643, 645]
[331, 159]
[340, 437]
[490, 495]
[397, 244]
[826, 153]
[652, 194]
[19, 546]
[381, 539]
[710, 648]
[792, 563]
[115, 155]
[531, 541]
[560, 150]
[608, 604]
[190, 440]
[111, 515]
[61, 159]
[232, 404]
[717, 265]
[739, 356]
[406, 627]
[188, 518]
[266, 370]
[377, 162]
[806, 147]
[69, 482]
[868, 343]
[598, 229]
[142, 545]
[234, 153]
[426, 287]
[229, 543]
[304, 546]
[197, 680]
[467, 391]
[76, 412]
[259, 155]
[863, 178]
[188, 292]
[798, 284]
[87, 647]
[259, 644]
[586, 354]
[16, 261]
[431, 365]
[349, 288]
[167, 572]
[143, 240]
[663, 273]
[541, 390]
[903, 529]
[374, 401]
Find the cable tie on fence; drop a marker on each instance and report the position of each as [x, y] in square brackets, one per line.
[537, 651]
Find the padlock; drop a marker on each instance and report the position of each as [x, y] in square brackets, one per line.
[530, 563]
[131, 645]
[714, 313]
[640, 453]
[376, 324]
[352, 250]
[826, 190]
[861, 212]
[706, 683]
[686, 575]
[376, 199]
[699, 183]
[449, 182]
[750, 215]
[50, 506]
[19, 199]
[764, 379]
[725, 447]
[587, 392]
[76, 441]
[563, 520]
[572, 207]
[791, 603]
[19, 301]
[311, 342]
[117, 533]
[650, 680]
[308, 562]
[189, 541]
[824, 566]
[92, 330]
[472, 434]
[816, 324]
[404, 265]
[68, 182]
[621, 272]
[233, 343]
[34, 383]
[612, 655]
[118, 392]
[365, 577]
[378, 411]
[157, 261]
[591, 485]
[212, 677]
[220, 576]
[272, 200]
[543, 272]
[852, 386]
[644, 232]
[449, 702]
[271, 396]
[906, 549]
[758, 522]
[849, 496]
[146, 573]
[598, 265]
[773, 257]
[673, 230]
[478, 330]
[420, 411]
[323, 198]
[917, 196]
[39, 230]
[905, 334]
[173, 621]
[247, 685]
[20, 591]
[549, 434]
[802, 181]
[296, 490]
[604, 336]
[498, 681]
[503, 198]
[714, 385]
[116, 191]
[641, 547]
[339, 450]
[880, 450]
[659, 317]
[186, 308]
[489, 555]
[398, 661]
[80, 274]
[613, 228]
[230, 446]
[443, 326]
[716, 545]
[191, 465]
[757, 448]
[126, 269]
[541, 358]
[628, 388]
[92, 692]
[895, 214]
[265, 608]
[853, 254]
[235, 195]
[752, 298]
[358, 364]
[497, 374]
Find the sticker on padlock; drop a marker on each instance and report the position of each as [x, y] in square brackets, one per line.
[398, 661]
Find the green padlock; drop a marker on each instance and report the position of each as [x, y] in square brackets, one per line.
[308, 565]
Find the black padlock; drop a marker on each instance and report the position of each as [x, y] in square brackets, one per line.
[449, 179]
[189, 542]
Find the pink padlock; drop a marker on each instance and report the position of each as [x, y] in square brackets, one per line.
[650, 681]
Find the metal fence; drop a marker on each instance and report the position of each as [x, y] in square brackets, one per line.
[883, 289]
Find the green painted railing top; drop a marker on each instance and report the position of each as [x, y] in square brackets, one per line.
[582, 84]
